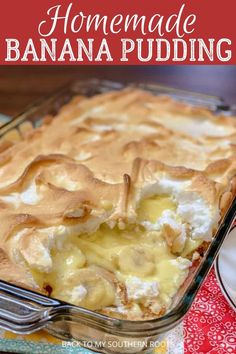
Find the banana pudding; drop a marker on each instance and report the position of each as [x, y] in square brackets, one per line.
[110, 204]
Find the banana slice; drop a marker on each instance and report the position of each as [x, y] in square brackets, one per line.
[88, 288]
[68, 262]
[136, 261]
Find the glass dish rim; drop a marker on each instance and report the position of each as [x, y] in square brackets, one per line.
[177, 313]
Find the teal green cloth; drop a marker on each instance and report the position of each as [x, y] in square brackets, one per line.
[4, 118]
[29, 347]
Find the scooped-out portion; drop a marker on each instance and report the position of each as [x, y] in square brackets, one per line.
[133, 272]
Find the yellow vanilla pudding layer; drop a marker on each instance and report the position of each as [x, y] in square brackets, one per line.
[110, 203]
[92, 269]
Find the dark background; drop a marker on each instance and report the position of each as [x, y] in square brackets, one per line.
[21, 85]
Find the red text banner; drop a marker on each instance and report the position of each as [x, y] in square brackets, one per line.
[117, 32]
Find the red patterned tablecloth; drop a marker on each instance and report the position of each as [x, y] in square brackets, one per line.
[210, 326]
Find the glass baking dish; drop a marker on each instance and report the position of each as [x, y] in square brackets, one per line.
[23, 311]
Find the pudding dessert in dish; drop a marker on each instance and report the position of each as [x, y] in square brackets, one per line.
[109, 204]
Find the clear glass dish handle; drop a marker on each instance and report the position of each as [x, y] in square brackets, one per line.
[22, 311]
